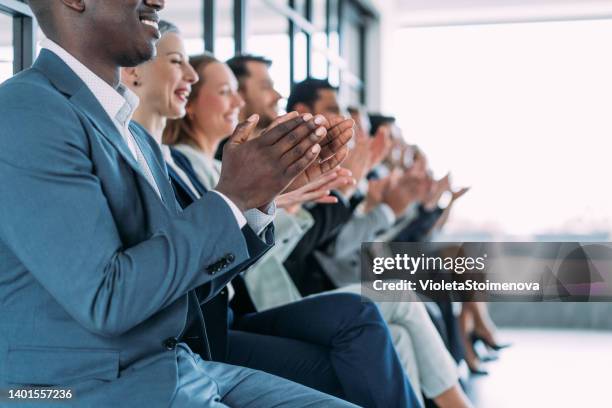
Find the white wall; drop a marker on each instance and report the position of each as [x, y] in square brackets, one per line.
[444, 12]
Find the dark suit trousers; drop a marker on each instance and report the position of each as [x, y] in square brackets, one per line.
[336, 343]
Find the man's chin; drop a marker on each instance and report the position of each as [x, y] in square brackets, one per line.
[141, 55]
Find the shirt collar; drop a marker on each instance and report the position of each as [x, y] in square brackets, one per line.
[120, 104]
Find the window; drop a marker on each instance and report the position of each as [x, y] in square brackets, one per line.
[187, 16]
[528, 106]
[224, 30]
[17, 36]
[352, 38]
[268, 35]
[333, 41]
[6, 47]
[317, 45]
[319, 66]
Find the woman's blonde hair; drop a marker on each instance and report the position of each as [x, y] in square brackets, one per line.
[181, 131]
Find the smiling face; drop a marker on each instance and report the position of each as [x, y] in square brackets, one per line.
[164, 84]
[127, 29]
[326, 103]
[259, 94]
[217, 105]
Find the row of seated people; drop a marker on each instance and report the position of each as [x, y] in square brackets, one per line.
[159, 277]
[320, 227]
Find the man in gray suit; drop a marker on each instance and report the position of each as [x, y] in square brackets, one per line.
[96, 259]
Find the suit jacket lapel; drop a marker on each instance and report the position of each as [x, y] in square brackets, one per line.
[178, 180]
[84, 101]
[158, 169]
[67, 82]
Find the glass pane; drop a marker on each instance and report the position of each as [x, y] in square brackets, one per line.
[224, 30]
[300, 61]
[319, 60]
[528, 103]
[334, 47]
[300, 7]
[319, 40]
[267, 35]
[187, 15]
[6, 47]
[351, 52]
[334, 40]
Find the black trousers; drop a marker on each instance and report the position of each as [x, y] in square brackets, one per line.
[335, 343]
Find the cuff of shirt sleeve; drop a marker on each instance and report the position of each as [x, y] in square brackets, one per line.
[240, 219]
[259, 220]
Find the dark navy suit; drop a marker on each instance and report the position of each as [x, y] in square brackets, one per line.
[336, 343]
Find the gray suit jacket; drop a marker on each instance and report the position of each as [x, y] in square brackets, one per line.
[94, 267]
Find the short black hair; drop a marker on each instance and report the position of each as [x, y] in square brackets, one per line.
[377, 120]
[307, 92]
[238, 64]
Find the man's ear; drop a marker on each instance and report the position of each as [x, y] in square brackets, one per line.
[77, 5]
[301, 108]
[131, 77]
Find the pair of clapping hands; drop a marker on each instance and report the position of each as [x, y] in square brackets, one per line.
[297, 155]
[402, 188]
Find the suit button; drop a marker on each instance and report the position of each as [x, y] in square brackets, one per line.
[170, 343]
[212, 268]
[230, 258]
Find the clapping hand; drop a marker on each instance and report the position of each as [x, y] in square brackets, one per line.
[318, 191]
[256, 170]
[334, 150]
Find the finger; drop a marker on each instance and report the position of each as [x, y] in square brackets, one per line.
[321, 120]
[315, 195]
[336, 160]
[335, 120]
[298, 142]
[299, 166]
[320, 182]
[344, 172]
[244, 130]
[283, 201]
[283, 118]
[341, 182]
[338, 142]
[278, 130]
[337, 130]
[327, 200]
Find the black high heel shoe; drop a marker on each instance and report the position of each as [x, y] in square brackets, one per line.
[493, 346]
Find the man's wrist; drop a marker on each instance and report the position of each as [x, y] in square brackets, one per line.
[237, 202]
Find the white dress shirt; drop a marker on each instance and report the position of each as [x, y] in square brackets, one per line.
[120, 105]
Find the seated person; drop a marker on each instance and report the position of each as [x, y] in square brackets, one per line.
[320, 342]
[95, 288]
[414, 335]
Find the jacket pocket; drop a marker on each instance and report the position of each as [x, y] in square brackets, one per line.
[55, 365]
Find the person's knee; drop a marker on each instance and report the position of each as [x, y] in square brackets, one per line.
[362, 309]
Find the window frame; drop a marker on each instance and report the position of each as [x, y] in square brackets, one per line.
[24, 33]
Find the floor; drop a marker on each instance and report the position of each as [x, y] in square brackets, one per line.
[548, 368]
